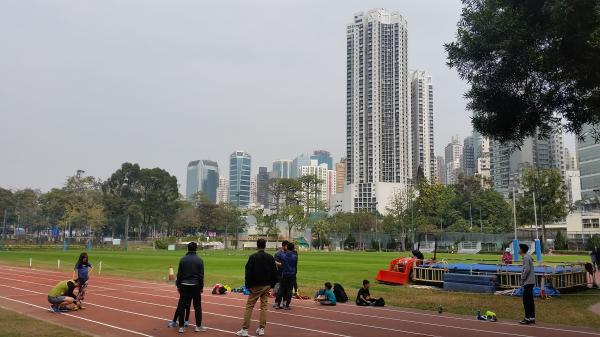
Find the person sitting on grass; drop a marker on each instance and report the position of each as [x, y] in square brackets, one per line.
[61, 297]
[82, 273]
[326, 296]
[364, 298]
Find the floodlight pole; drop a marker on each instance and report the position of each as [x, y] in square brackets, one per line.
[514, 211]
[537, 236]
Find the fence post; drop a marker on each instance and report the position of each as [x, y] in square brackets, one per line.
[58, 264]
[30, 262]
[99, 267]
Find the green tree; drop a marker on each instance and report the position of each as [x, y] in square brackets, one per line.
[434, 205]
[158, 193]
[321, 230]
[84, 206]
[560, 241]
[121, 195]
[229, 219]
[398, 220]
[530, 65]
[550, 197]
[293, 215]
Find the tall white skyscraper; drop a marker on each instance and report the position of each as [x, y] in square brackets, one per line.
[453, 159]
[378, 144]
[223, 190]
[421, 106]
[327, 177]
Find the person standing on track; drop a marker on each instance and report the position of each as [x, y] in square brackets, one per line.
[190, 283]
[289, 267]
[527, 282]
[278, 258]
[261, 275]
[82, 271]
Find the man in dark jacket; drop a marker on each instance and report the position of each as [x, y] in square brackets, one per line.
[190, 282]
[261, 276]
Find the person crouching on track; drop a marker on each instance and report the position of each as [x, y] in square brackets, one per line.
[327, 297]
[61, 297]
[190, 283]
[82, 272]
[527, 282]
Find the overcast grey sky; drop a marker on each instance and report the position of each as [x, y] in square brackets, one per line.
[92, 84]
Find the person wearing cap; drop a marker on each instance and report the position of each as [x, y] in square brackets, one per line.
[190, 283]
[527, 282]
[507, 257]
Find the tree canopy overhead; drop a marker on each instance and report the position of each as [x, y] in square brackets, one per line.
[531, 65]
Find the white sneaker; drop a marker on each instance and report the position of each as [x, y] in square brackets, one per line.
[200, 329]
[181, 330]
[260, 331]
[242, 332]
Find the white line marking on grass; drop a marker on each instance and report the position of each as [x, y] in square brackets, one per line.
[82, 318]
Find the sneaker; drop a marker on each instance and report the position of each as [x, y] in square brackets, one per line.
[54, 309]
[242, 332]
[181, 330]
[279, 307]
[275, 305]
[287, 308]
[171, 324]
[81, 307]
[186, 324]
[75, 309]
[200, 329]
[531, 320]
[260, 331]
[524, 321]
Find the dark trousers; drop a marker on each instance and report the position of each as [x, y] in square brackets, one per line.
[187, 294]
[285, 289]
[277, 289]
[187, 314]
[528, 303]
[363, 303]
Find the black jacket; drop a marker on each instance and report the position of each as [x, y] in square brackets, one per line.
[261, 270]
[190, 271]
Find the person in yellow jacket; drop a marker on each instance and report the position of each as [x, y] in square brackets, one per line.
[61, 297]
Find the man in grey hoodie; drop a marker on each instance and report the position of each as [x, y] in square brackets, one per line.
[527, 282]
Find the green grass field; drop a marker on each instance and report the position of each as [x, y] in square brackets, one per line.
[347, 268]
[17, 325]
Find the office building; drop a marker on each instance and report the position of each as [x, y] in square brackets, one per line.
[262, 187]
[327, 187]
[223, 190]
[282, 168]
[239, 178]
[378, 142]
[202, 177]
[340, 176]
[253, 190]
[323, 157]
[468, 156]
[421, 95]
[588, 162]
[302, 160]
[453, 159]
[440, 165]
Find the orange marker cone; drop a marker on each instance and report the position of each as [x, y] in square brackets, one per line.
[171, 274]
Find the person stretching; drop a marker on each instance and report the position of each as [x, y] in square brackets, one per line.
[82, 271]
[61, 297]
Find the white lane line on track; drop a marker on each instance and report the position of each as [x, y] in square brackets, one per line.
[537, 327]
[78, 317]
[337, 321]
[204, 312]
[318, 318]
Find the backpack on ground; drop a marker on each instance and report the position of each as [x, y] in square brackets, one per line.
[340, 293]
[380, 302]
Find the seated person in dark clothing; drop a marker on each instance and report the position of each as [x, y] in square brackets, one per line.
[418, 255]
[364, 298]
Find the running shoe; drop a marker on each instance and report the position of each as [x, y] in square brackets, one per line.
[200, 329]
[186, 324]
[171, 324]
[242, 333]
[260, 331]
[54, 309]
[181, 330]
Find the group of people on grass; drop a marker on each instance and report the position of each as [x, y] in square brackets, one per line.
[263, 272]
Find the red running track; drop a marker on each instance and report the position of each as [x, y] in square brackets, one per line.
[125, 307]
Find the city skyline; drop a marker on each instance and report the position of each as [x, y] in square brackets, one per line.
[84, 89]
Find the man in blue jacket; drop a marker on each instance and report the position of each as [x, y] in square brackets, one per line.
[289, 268]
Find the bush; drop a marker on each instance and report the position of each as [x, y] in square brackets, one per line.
[560, 241]
[161, 244]
[350, 242]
